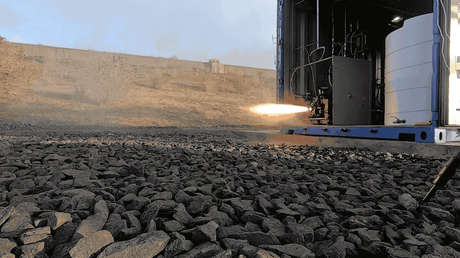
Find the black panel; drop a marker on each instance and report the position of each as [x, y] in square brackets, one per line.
[351, 91]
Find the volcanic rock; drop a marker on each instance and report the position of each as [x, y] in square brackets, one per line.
[452, 233]
[91, 244]
[182, 197]
[57, 219]
[6, 246]
[115, 224]
[352, 192]
[274, 226]
[265, 254]
[32, 250]
[219, 217]
[445, 251]
[203, 233]
[7, 178]
[145, 245]
[163, 196]
[241, 206]
[64, 233]
[224, 254]
[399, 253]
[134, 226]
[177, 246]
[294, 250]
[204, 250]
[172, 226]
[199, 205]
[182, 215]
[230, 232]
[35, 235]
[456, 205]
[313, 222]
[439, 214]
[5, 214]
[207, 185]
[408, 202]
[234, 244]
[368, 236]
[17, 222]
[94, 222]
[260, 238]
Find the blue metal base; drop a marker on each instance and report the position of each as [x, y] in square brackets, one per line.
[418, 134]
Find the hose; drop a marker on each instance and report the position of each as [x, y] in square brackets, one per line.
[329, 76]
[306, 65]
[445, 18]
[308, 55]
[313, 71]
[320, 48]
[443, 40]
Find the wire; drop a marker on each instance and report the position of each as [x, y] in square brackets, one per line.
[299, 2]
[442, 44]
[445, 18]
[308, 55]
[320, 48]
[306, 46]
[442, 49]
[313, 70]
[329, 76]
[305, 65]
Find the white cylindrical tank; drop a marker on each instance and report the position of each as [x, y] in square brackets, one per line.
[408, 72]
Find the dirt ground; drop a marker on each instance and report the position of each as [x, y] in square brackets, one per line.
[172, 192]
[40, 84]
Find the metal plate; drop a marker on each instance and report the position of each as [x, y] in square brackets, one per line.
[351, 96]
[420, 134]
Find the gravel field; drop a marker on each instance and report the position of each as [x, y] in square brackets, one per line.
[191, 193]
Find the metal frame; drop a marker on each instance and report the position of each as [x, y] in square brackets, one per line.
[436, 64]
[424, 134]
[280, 51]
[421, 134]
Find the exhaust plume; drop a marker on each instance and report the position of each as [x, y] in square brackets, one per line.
[278, 109]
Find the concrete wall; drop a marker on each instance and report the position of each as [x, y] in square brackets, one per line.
[40, 83]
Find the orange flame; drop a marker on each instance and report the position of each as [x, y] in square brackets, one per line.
[278, 109]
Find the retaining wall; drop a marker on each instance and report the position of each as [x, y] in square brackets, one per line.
[69, 86]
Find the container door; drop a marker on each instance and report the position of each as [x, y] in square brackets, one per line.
[454, 76]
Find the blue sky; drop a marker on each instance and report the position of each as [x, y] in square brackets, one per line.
[237, 32]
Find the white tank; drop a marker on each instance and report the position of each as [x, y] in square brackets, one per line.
[408, 72]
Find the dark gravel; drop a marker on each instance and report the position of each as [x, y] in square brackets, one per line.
[176, 194]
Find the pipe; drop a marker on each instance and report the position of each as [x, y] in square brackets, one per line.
[313, 70]
[333, 31]
[436, 63]
[345, 35]
[317, 23]
[280, 52]
[302, 66]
